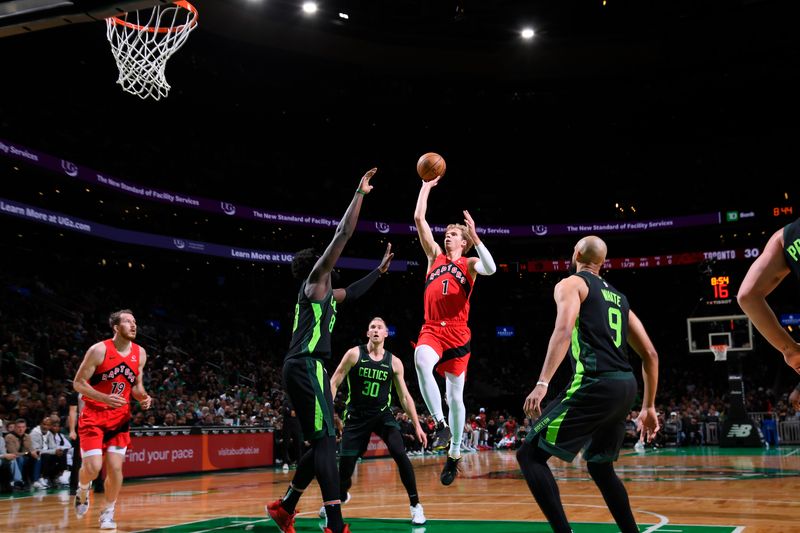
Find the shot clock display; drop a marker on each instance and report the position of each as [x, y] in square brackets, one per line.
[720, 287]
[720, 290]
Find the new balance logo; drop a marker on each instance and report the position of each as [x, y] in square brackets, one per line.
[740, 431]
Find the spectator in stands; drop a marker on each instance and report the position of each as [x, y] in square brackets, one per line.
[506, 442]
[412, 444]
[713, 414]
[491, 433]
[56, 455]
[37, 440]
[499, 431]
[138, 420]
[673, 430]
[510, 427]
[466, 437]
[18, 443]
[9, 400]
[6, 460]
[63, 409]
[480, 422]
[769, 429]
[475, 433]
[24, 413]
[429, 427]
[522, 432]
[693, 431]
[794, 399]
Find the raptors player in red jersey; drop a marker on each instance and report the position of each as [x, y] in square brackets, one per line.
[444, 340]
[111, 372]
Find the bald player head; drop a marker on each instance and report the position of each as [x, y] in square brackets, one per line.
[590, 254]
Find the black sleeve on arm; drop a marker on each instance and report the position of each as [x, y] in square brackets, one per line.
[356, 290]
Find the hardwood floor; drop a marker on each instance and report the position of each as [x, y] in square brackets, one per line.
[752, 489]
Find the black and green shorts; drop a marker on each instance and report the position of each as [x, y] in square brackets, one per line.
[589, 414]
[309, 388]
[357, 431]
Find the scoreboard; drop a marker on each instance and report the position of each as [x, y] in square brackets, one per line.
[719, 289]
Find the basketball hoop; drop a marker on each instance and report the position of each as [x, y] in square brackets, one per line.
[143, 41]
[720, 351]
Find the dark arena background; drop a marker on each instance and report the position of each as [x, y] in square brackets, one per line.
[669, 129]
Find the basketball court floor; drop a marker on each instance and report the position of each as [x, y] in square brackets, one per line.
[686, 490]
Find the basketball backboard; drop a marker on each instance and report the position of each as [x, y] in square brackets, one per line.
[736, 331]
[23, 16]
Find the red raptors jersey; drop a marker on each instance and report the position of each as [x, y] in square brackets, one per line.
[117, 374]
[448, 287]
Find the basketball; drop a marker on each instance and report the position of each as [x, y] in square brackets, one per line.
[430, 165]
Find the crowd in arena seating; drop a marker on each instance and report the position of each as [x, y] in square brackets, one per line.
[214, 361]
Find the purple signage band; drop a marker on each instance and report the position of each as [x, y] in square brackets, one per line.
[93, 177]
[61, 221]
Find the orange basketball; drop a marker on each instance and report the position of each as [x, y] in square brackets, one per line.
[430, 165]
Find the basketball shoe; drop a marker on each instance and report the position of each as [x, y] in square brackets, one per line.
[417, 515]
[81, 502]
[281, 516]
[107, 519]
[441, 436]
[450, 470]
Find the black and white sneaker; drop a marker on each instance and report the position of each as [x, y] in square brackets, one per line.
[450, 470]
[441, 436]
[81, 502]
[107, 519]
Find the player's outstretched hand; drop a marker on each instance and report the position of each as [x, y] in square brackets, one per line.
[364, 185]
[387, 258]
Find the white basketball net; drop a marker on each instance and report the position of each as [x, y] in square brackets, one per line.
[143, 41]
[720, 352]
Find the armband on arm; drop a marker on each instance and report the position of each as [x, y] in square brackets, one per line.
[485, 264]
[357, 289]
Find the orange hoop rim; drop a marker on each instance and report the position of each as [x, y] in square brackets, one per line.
[181, 3]
[719, 350]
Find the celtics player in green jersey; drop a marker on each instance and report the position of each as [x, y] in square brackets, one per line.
[304, 376]
[373, 376]
[594, 326]
[781, 257]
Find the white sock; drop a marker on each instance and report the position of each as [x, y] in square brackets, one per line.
[425, 358]
[83, 491]
[458, 412]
